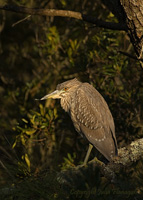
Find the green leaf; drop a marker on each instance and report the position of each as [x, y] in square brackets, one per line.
[22, 139]
[42, 110]
[32, 120]
[55, 113]
[27, 160]
[14, 144]
[24, 120]
[30, 132]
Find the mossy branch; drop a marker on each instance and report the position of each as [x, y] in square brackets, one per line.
[127, 156]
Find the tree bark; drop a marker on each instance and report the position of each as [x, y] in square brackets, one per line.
[130, 12]
[134, 21]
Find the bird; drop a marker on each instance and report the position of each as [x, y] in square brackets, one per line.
[90, 115]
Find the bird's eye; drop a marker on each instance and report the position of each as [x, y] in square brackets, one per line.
[66, 88]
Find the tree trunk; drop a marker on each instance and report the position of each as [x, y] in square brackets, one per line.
[134, 21]
[131, 12]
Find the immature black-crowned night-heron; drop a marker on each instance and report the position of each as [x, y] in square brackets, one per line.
[90, 115]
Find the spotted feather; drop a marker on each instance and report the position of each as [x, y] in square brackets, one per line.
[94, 120]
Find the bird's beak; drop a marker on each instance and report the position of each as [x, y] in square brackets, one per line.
[53, 95]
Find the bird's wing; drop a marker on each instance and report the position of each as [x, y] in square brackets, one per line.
[95, 119]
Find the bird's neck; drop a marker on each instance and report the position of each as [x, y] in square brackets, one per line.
[65, 103]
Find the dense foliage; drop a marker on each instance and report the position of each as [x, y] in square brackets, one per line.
[38, 139]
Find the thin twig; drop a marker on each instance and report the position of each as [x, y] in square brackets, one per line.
[5, 168]
[21, 20]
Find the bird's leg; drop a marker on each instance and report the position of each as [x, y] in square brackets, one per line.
[87, 154]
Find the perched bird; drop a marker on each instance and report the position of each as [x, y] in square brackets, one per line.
[90, 115]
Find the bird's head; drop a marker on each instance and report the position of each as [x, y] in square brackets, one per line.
[64, 89]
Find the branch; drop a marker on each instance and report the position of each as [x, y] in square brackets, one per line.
[127, 156]
[65, 13]
[131, 56]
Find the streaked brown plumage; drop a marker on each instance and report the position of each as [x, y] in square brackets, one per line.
[90, 114]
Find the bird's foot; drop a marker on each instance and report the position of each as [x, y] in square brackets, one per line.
[82, 165]
[95, 160]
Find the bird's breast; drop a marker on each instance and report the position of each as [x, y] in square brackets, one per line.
[73, 117]
[65, 103]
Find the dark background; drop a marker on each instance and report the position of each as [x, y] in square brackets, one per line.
[37, 139]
